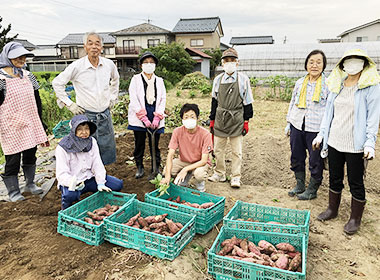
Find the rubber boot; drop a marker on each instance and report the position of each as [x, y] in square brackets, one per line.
[11, 183]
[156, 171]
[311, 191]
[357, 208]
[332, 210]
[29, 173]
[140, 169]
[300, 187]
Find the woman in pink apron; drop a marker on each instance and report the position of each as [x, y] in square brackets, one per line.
[21, 127]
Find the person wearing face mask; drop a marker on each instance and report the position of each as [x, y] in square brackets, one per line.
[348, 131]
[79, 168]
[231, 109]
[147, 96]
[194, 144]
[96, 83]
[21, 126]
[304, 117]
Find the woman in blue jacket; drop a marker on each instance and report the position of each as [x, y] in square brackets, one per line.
[348, 131]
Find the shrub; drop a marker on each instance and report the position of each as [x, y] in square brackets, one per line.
[124, 84]
[120, 111]
[194, 81]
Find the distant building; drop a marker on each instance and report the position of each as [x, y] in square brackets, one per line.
[199, 33]
[224, 46]
[331, 40]
[130, 41]
[202, 61]
[251, 40]
[26, 44]
[366, 32]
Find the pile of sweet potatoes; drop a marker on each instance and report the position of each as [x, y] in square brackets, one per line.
[157, 224]
[195, 205]
[96, 217]
[283, 255]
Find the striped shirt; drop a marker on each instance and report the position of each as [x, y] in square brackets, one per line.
[313, 113]
[31, 77]
[341, 135]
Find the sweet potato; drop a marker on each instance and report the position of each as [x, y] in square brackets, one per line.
[158, 230]
[114, 208]
[155, 219]
[226, 249]
[296, 262]
[88, 220]
[158, 225]
[178, 199]
[267, 259]
[170, 234]
[194, 205]
[282, 262]
[146, 228]
[133, 219]
[235, 241]
[241, 253]
[225, 242]
[95, 216]
[244, 245]
[207, 205]
[108, 206]
[285, 247]
[293, 254]
[179, 225]
[267, 247]
[172, 226]
[142, 222]
[253, 248]
[136, 226]
[273, 223]
[234, 252]
[101, 212]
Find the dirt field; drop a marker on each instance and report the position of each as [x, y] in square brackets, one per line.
[30, 247]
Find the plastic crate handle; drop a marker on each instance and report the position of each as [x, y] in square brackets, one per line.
[173, 206]
[196, 193]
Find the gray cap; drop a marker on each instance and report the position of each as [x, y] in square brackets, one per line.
[18, 50]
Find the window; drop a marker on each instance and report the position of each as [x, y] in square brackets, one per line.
[73, 52]
[362, 39]
[129, 45]
[378, 38]
[153, 42]
[196, 42]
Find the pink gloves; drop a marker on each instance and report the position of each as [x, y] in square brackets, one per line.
[142, 116]
[146, 121]
[155, 122]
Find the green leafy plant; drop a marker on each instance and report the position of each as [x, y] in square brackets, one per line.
[178, 93]
[163, 188]
[192, 94]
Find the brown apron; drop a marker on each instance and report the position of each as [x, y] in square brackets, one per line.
[229, 119]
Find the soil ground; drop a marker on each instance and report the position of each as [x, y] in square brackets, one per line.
[31, 248]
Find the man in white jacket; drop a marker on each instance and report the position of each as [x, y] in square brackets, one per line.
[96, 84]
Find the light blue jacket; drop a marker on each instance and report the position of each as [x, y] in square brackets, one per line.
[366, 117]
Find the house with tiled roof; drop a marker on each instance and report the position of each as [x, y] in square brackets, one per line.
[130, 41]
[199, 33]
[251, 40]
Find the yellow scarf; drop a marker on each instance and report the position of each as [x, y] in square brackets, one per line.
[316, 95]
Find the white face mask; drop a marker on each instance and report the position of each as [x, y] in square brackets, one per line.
[230, 67]
[353, 66]
[189, 123]
[148, 68]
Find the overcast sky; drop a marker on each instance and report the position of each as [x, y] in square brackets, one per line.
[48, 21]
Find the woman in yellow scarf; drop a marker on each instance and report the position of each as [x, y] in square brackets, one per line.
[304, 116]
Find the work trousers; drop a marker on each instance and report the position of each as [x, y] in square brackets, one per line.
[12, 162]
[200, 173]
[220, 144]
[138, 154]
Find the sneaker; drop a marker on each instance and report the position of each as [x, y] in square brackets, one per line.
[235, 183]
[217, 178]
[201, 186]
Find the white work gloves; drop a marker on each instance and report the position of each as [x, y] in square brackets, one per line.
[316, 142]
[112, 103]
[73, 184]
[102, 187]
[287, 130]
[75, 109]
[369, 153]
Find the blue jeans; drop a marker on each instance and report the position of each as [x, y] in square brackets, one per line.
[90, 185]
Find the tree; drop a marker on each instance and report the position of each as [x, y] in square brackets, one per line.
[216, 55]
[174, 61]
[3, 35]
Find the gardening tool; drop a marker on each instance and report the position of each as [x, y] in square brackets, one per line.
[365, 163]
[152, 134]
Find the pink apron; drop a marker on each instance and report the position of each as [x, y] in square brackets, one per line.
[20, 124]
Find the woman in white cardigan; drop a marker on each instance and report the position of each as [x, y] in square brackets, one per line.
[147, 95]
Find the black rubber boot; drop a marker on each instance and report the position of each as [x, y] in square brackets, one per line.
[332, 210]
[311, 191]
[29, 173]
[11, 183]
[300, 187]
[357, 208]
[140, 169]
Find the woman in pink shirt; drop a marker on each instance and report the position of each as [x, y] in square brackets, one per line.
[79, 168]
[194, 144]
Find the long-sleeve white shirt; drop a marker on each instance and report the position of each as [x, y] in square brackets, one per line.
[83, 165]
[94, 87]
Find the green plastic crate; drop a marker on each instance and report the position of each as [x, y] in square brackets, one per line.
[71, 223]
[150, 243]
[62, 129]
[264, 214]
[225, 268]
[205, 218]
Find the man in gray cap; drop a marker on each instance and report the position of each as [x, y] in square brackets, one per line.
[96, 84]
[231, 109]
